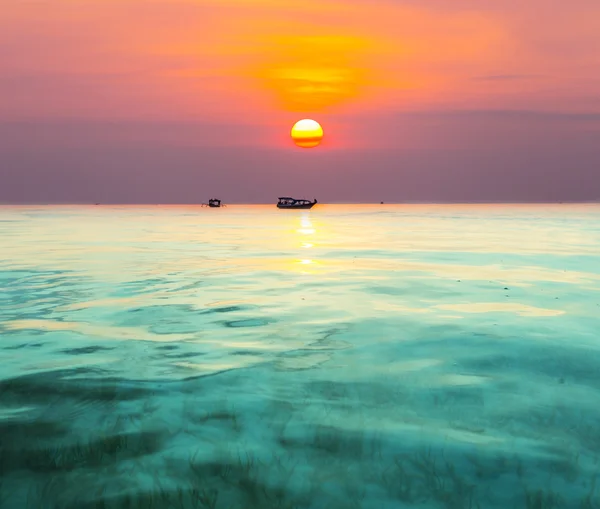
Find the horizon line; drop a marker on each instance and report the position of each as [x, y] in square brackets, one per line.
[158, 204]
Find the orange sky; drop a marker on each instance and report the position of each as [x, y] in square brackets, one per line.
[261, 61]
[221, 77]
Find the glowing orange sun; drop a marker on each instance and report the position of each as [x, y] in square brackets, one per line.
[307, 133]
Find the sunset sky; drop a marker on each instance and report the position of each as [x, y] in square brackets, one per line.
[177, 101]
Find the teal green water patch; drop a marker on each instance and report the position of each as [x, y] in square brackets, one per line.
[181, 319]
[248, 322]
[140, 287]
[86, 350]
[186, 287]
[155, 316]
[36, 294]
[283, 452]
[19, 346]
[30, 337]
[227, 309]
[183, 355]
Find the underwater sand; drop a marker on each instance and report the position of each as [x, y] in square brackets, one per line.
[430, 356]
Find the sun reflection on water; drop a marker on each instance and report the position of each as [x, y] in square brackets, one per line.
[307, 229]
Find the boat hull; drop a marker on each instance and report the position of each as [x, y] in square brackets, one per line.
[304, 206]
[214, 206]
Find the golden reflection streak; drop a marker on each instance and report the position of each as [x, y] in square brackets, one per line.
[306, 230]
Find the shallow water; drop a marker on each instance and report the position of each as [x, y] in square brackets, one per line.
[429, 356]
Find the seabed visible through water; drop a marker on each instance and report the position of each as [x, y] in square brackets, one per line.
[385, 357]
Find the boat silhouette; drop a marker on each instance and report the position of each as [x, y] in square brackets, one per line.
[285, 202]
[213, 203]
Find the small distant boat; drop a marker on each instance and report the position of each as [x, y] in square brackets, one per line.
[213, 203]
[286, 202]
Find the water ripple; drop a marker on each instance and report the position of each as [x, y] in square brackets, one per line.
[384, 357]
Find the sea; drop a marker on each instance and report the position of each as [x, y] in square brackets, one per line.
[349, 356]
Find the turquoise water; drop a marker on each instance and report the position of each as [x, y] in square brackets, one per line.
[429, 356]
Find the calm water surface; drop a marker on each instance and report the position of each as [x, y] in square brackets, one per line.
[344, 357]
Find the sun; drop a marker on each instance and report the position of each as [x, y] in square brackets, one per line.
[307, 133]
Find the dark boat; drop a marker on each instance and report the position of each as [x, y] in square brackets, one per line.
[286, 202]
[214, 203]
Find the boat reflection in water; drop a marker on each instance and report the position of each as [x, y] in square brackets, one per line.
[292, 203]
